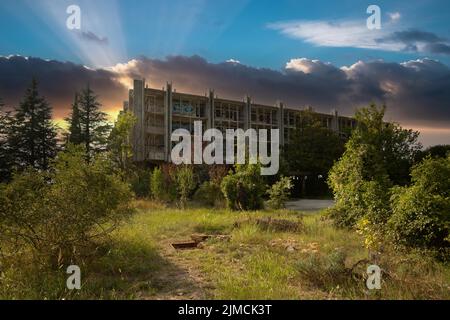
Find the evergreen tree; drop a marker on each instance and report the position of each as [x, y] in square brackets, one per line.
[94, 127]
[75, 135]
[5, 154]
[33, 136]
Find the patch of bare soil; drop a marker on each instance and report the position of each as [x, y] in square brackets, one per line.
[180, 278]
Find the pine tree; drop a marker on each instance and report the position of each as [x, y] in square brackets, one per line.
[94, 127]
[5, 154]
[33, 136]
[75, 135]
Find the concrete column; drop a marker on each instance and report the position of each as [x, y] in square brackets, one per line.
[335, 121]
[280, 114]
[211, 112]
[248, 113]
[168, 122]
[138, 110]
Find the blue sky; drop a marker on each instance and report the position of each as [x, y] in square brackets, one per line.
[216, 30]
[316, 53]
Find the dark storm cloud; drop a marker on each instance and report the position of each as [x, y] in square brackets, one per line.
[90, 36]
[409, 36]
[439, 48]
[413, 39]
[58, 81]
[415, 92]
[235, 80]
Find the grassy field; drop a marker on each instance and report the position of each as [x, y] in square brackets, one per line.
[316, 261]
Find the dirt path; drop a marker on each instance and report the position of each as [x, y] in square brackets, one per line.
[179, 279]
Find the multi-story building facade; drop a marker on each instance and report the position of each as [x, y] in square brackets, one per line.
[161, 111]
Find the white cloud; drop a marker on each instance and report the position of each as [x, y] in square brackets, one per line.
[350, 33]
[306, 65]
[233, 61]
[394, 16]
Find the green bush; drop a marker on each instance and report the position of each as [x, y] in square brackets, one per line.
[140, 182]
[157, 184]
[346, 182]
[184, 178]
[279, 192]
[208, 193]
[60, 214]
[244, 189]
[421, 212]
[375, 201]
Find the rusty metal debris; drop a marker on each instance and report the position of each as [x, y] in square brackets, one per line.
[197, 239]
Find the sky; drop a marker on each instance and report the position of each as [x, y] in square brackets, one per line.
[306, 53]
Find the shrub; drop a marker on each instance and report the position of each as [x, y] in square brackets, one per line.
[216, 174]
[421, 212]
[378, 155]
[279, 193]
[208, 193]
[157, 184]
[244, 189]
[375, 201]
[169, 171]
[346, 182]
[325, 271]
[185, 183]
[59, 214]
[140, 182]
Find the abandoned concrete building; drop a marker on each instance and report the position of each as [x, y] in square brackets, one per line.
[161, 111]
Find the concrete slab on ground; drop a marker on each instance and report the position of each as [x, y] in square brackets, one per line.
[309, 204]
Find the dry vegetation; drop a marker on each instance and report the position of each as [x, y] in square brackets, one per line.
[259, 261]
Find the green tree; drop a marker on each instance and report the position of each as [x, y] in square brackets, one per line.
[5, 149]
[313, 148]
[185, 183]
[33, 136]
[59, 214]
[438, 151]
[421, 212]
[94, 125]
[119, 143]
[279, 192]
[389, 148]
[244, 189]
[312, 151]
[377, 156]
[75, 135]
[157, 184]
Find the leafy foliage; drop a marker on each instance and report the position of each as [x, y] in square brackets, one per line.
[313, 148]
[377, 156]
[244, 189]
[119, 144]
[438, 151]
[421, 212]
[185, 183]
[279, 193]
[157, 184]
[6, 160]
[59, 214]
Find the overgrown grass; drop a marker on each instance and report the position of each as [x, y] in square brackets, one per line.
[317, 262]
